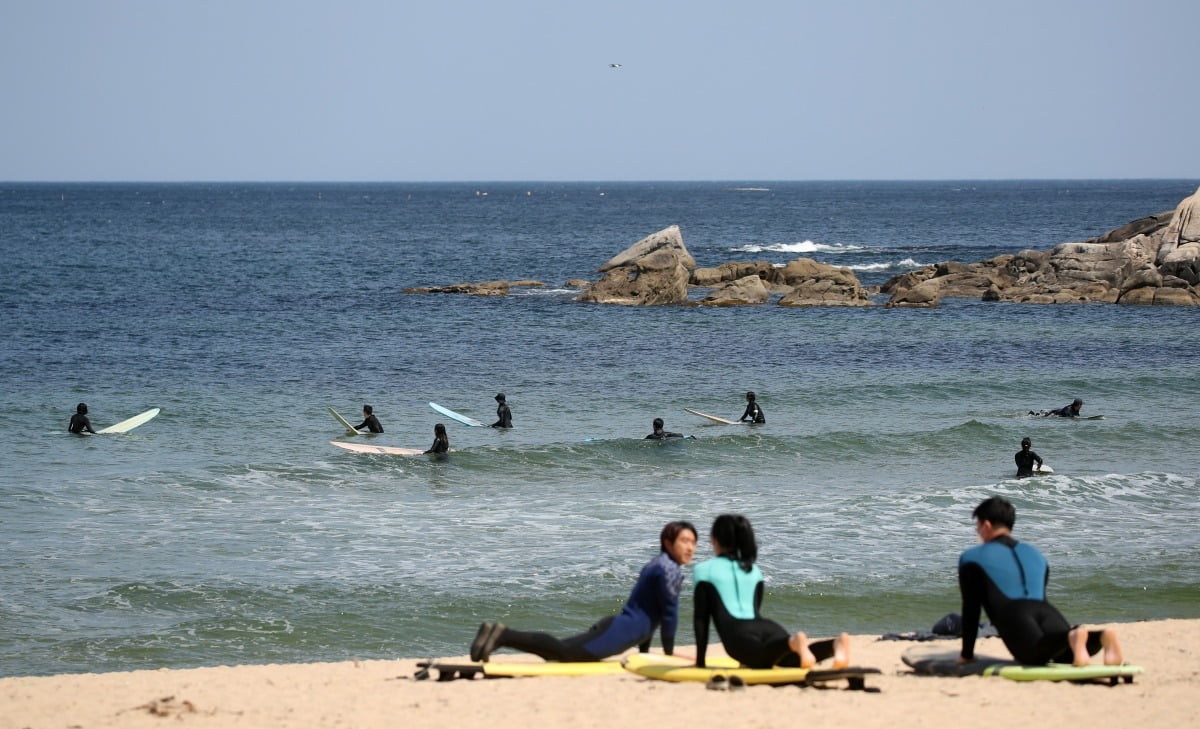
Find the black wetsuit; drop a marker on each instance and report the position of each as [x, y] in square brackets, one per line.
[1008, 580]
[1066, 412]
[371, 423]
[753, 640]
[753, 413]
[504, 417]
[1025, 460]
[440, 445]
[662, 435]
[80, 424]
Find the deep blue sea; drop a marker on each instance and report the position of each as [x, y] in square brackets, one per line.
[229, 530]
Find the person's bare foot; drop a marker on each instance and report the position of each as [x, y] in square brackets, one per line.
[841, 651]
[1113, 656]
[799, 645]
[1078, 640]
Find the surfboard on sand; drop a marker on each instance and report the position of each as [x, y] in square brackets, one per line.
[127, 425]
[448, 671]
[713, 418]
[937, 661]
[350, 429]
[377, 449]
[639, 664]
[464, 419]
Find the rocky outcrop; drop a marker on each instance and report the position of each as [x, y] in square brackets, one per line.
[732, 271]
[745, 291]
[1152, 260]
[817, 284]
[653, 271]
[486, 288]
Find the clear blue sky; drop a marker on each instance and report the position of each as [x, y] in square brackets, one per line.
[522, 90]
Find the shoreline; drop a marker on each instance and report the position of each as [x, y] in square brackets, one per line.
[383, 693]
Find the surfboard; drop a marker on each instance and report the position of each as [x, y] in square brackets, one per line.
[936, 661]
[127, 425]
[377, 449]
[464, 419]
[776, 676]
[350, 429]
[448, 671]
[713, 418]
[1042, 469]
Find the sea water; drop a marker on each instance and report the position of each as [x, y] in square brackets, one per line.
[229, 530]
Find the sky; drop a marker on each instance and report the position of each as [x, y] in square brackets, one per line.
[449, 90]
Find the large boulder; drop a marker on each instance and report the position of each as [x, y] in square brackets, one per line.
[651, 272]
[731, 271]
[818, 284]
[925, 295]
[745, 291]
[1161, 296]
[1179, 253]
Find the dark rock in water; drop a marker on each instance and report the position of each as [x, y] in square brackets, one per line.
[487, 288]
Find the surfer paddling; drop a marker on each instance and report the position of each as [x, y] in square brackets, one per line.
[729, 593]
[79, 421]
[1067, 411]
[370, 422]
[1007, 579]
[652, 605]
[659, 433]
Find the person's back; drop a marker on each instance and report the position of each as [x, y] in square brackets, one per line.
[660, 434]
[736, 588]
[79, 421]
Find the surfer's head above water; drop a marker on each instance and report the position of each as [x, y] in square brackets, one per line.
[500, 397]
[750, 396]
[81, 408]
[367, 409]
[1026, 443]
[658, 423]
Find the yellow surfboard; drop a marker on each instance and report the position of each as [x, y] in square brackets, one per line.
[778, 675]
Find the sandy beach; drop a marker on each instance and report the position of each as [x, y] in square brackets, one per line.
[384, 694]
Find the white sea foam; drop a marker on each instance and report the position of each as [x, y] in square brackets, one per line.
[803, 247]
[907, 264]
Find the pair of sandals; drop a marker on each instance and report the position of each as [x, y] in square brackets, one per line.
[725, 683]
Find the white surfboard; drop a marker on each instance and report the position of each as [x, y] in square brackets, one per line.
[350, 429]
[377, 450]
[1042, 469]
[127, 425]
[713, 418]
[464, 419]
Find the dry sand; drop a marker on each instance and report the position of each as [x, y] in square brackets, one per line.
[371, 694]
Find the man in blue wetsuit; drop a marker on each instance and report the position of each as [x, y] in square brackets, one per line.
[653, 603]
[1025, 459]
[1008, 579]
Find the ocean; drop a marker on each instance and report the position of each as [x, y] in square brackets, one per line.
[228, 529]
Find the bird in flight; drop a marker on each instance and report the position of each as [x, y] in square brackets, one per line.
[614, 65]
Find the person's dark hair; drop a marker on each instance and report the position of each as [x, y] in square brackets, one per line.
[439, 429]
[368, 409]
[998, 510]
[1077, 401]
[1026, 442]
[750, 396]
[671, 532]
[81, 408]
[736, 539]
[499, 397]
[658, 423]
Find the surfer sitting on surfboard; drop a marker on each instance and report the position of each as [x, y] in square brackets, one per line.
[729, 592]
[503, 414]
[370, 422]
[1026, 458]
[753, 413]
[654, 602]
[79, 421]
[659, 433]
[1008, 579]
[441, 441]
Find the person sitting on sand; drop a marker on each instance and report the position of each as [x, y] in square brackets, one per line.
[754, 413]
[370, 422]
[1008, 580]
[653, 604]
[503, 413]
[1026, 458]
[79, 421]
[659, 433]
[441, 441]
[729, 592]
[1067, 411]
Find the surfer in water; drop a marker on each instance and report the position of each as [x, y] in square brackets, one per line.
[503, 414]
[1007, 579]
[370, 422]
[729, 593]
[441, 441]
[659, 433]
[653, 604]
[754, 412]
[1026, 458]
[79, 421]
[1067, 411]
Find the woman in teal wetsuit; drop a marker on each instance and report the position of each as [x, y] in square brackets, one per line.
[654, 602]
[729, 593]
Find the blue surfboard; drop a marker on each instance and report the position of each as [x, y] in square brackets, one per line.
[465, 420]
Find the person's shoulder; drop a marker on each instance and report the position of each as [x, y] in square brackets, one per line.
[702, 570]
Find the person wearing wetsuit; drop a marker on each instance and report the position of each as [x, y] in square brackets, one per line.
[503, 414]
[370, 422]
[1007, 579]
[441, 441]
[652, 605]
[754, 413]
[659, 433]
[1069, 411]
[1026, 458]
[729, 593]
[79, 421]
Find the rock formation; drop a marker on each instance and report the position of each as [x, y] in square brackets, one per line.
[744, 291]
[653, 271]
